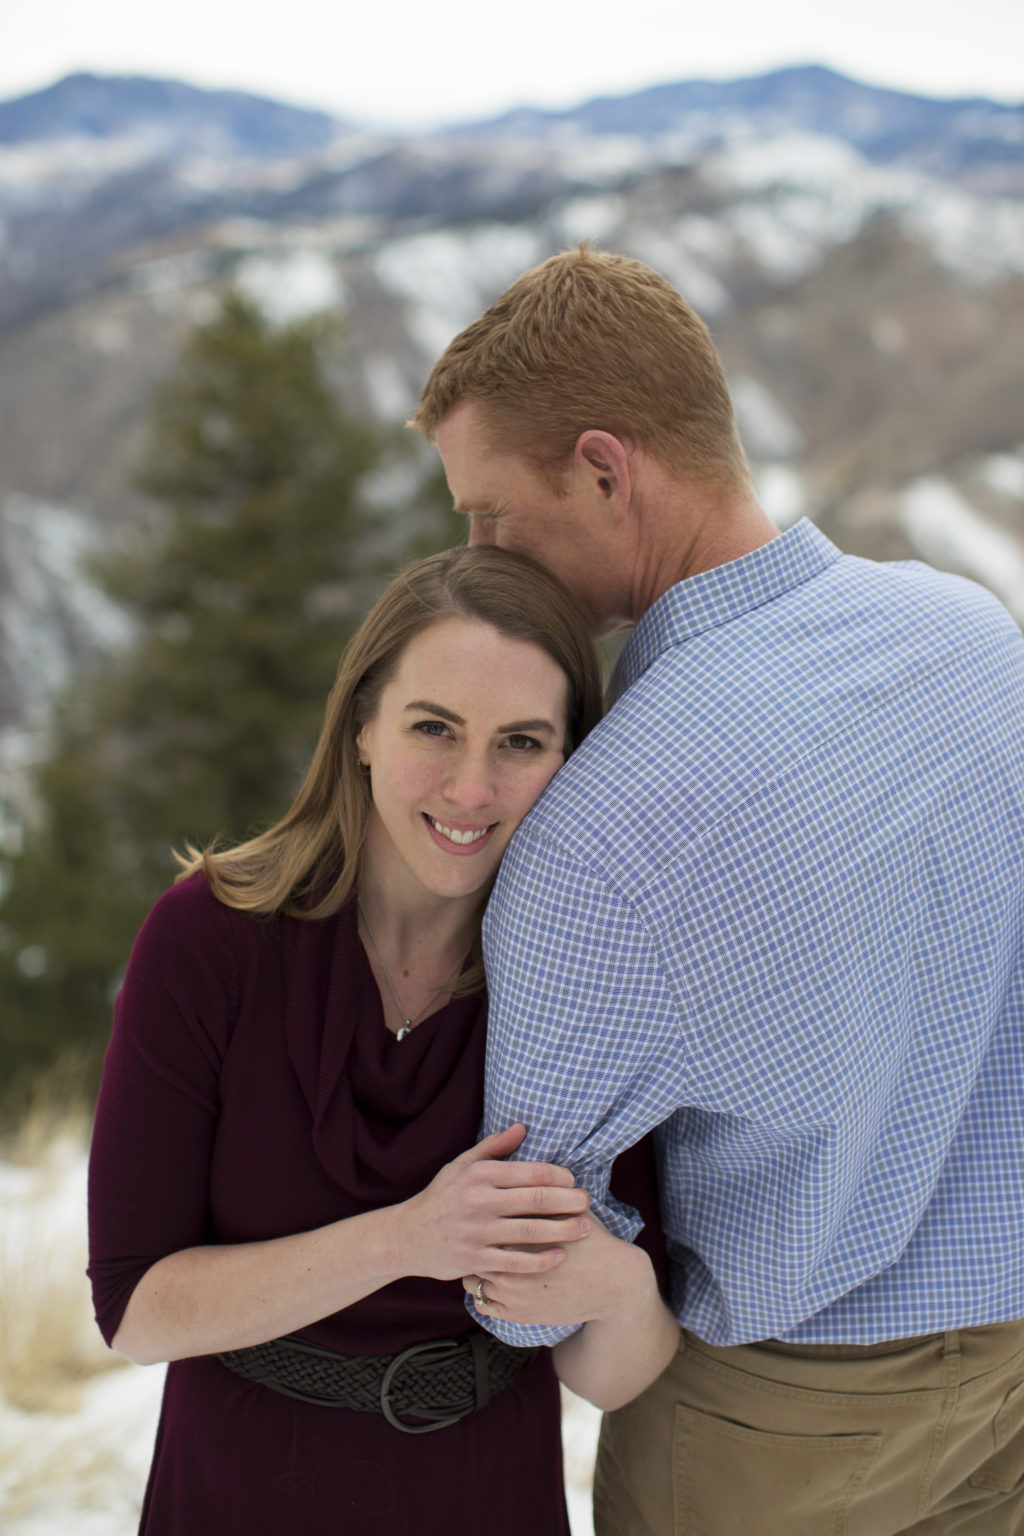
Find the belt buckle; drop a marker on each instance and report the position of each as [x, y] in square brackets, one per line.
[431, 1346]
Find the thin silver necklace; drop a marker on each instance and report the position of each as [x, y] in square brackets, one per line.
[408, 1023]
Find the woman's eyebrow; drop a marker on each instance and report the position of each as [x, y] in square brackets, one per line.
[436, 709]
[518, 726]
[515, 727]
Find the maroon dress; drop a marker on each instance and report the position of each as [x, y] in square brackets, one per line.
[252, 1090]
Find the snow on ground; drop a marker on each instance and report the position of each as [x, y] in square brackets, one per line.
[290, 285]
[49, 604]
[79, 1463]
[592, 217]
[766, 427]
[781, 493]
[448, 278]
[950, 533]
[682, 256]
[82, 1471]
[799, 194]
[1004, 472]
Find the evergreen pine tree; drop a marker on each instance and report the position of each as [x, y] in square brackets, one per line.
[243, 596]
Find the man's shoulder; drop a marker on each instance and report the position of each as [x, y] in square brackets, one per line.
[716, 719]
[615, 805]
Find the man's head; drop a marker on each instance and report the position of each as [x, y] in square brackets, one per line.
[589, 340]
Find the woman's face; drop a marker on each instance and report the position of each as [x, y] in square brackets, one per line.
[468, 732]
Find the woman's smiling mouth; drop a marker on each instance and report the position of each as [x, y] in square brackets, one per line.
[460, 839]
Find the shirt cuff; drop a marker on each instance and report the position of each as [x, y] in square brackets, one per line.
[522, 1335]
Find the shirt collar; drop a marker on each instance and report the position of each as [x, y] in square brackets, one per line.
[717, 596]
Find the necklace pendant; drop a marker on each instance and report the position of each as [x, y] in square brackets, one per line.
[406, 1029]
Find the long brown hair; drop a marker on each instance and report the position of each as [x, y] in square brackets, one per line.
[307, 865]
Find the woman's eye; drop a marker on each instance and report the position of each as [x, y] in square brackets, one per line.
[431, 728]
[522, 743]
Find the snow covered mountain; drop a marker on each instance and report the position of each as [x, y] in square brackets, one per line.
[858, 253]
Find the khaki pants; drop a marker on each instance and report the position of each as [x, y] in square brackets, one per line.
[770, 1439]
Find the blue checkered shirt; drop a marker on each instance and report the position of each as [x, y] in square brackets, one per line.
[773, 907]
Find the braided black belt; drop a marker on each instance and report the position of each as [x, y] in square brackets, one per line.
[438, 1381]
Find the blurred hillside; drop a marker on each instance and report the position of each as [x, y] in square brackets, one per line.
[859, 254]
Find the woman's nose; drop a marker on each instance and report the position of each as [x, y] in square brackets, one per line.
[470, 783]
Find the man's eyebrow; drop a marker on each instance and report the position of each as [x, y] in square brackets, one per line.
[514, 728]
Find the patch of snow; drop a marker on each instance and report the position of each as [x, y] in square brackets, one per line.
[788, 235]
[104, 334]
[167, 274]
[21, 752]
[704, 237]
[803, 160]
[1004, 472]
[50, 607]
[82, 1470]
[590, 218]
[767, 429]
[947, 530]
[447, 278]
[802, 194]
[291, 285]
[888, 335]
[781, 493]
[669, 255]
[392, 398]
[76, 161]
[979, 238]
[599, 158]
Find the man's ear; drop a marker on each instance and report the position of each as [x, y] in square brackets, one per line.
[601, 462]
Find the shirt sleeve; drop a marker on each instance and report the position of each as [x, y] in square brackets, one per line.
[583, 1042]
[157, 1111]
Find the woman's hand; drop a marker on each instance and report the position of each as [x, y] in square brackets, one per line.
[481, 1214]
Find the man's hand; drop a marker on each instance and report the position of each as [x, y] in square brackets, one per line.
[594, 1280]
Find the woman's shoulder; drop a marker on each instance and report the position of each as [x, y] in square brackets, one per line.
[189, 907]
[188, 920]
[190, 914]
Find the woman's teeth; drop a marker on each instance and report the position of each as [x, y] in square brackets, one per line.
[455, 836]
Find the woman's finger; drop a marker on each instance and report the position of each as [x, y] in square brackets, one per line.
[500, 1144]
[541, 1202]
[519, 1261]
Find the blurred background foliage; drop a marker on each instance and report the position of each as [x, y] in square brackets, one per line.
[272, 532]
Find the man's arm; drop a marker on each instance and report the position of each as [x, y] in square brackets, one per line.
[584, 1039]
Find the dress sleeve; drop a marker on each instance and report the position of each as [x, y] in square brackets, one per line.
[157, 1111]
[583, 1033]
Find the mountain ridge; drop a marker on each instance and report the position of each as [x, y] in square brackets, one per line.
[869, 307]
[102, 106]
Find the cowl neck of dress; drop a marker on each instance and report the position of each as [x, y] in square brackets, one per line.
[382, 1108]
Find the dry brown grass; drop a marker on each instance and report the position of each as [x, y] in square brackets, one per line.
[49, 1345]
[31, 1471]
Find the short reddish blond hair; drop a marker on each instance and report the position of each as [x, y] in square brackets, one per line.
[593, 340]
